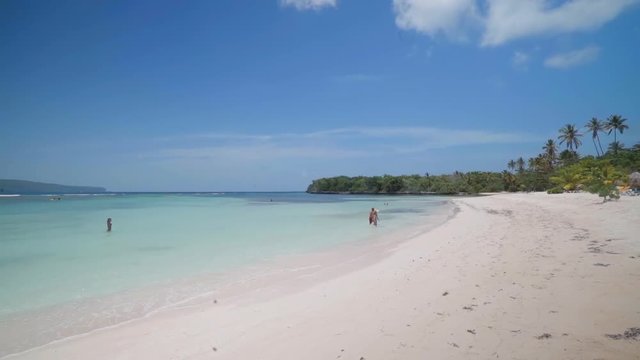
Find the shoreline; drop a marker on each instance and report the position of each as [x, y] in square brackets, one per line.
[250, 281]
[510, 276]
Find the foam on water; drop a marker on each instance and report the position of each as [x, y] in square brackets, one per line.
[56, 257]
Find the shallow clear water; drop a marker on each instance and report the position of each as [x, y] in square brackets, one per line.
[54, 252]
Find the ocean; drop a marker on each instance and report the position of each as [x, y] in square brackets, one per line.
[62, 273]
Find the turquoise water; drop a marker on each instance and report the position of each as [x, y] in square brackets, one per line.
[54, 251]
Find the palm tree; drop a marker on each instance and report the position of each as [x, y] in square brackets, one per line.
[550, 153]
[520, 165]
[509, 181]
[568, 157]
[596, 126]
[511, 165]
[616, 124]
[568, 179]
[540, 163]
[570, 135]
[616, 146]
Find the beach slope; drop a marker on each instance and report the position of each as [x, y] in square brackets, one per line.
[510, 276]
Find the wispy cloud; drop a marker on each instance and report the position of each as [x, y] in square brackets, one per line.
[219, 136]
[420, 51]
[253, 152]
[521, 60]
[328, 144]
[356, 78]
[501, 21]
[572, 58]
[309, 4]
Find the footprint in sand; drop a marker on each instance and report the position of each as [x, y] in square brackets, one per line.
[629, 334]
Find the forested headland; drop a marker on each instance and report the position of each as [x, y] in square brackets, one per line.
[11, 186]
[552, 170]
[471, 182]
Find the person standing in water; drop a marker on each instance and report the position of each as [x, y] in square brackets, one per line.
[373, 217]
[109, 224]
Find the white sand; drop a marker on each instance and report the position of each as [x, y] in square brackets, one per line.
[513, 267]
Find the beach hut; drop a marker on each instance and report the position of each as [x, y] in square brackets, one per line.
[634, 180]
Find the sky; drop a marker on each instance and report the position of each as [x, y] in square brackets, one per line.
[267, 95]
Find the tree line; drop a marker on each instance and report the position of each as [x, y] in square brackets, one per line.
[551, 170]
[559, 171]
[458, 182]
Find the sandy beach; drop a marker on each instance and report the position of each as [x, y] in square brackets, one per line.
[509, 276]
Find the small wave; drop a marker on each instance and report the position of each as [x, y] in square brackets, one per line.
[10, 195]
[404, 211]
[98, 194]
[58, 195]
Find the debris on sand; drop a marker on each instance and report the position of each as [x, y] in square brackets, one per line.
[445, 293]
[601, 264]
[471, 331]
[544, 336]
[630, 334]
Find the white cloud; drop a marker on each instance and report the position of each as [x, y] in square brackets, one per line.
[501, 21]
[511, 19]
[309, 4]
[431, 17]
[572, 58]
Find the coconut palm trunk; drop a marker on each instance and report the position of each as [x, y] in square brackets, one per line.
[600, 144]
[616, 123]
[595, 126]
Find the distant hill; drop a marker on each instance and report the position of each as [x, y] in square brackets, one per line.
[9, 186]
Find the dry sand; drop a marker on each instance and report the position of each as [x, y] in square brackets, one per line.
[510, 276]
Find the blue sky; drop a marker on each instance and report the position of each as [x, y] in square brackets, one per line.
[238, 95]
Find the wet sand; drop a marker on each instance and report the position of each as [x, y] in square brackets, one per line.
[511, 276]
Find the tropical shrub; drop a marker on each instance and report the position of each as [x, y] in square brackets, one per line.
[602, 180]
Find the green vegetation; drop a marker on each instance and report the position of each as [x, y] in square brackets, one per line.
[471, 182]
[9, 186]
[568, 171]
[597, 176]
[551, 170]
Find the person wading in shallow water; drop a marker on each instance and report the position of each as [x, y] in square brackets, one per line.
[373, 217]
[109, 224]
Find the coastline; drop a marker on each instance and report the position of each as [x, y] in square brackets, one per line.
[33, 329]
[509, 276]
